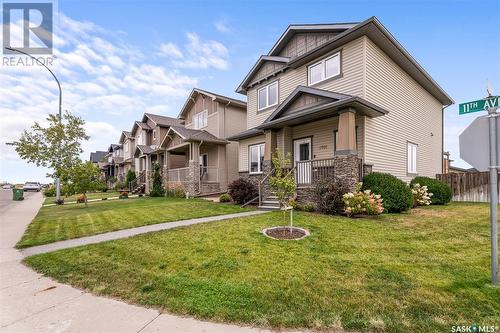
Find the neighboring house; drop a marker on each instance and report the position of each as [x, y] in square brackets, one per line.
[127, 143]
[199, 157]
[148, 135]
[110, 163]
[342, 100]
[97, 156]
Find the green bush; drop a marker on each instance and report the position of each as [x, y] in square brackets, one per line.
[328, 195]
[396, 194]
[50, 191]
[225, 198]
[129, 177]
[242, 190]
[175, 191]
[441, 192]
[308, 207]
[157, 190]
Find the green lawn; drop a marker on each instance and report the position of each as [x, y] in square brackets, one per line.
[96, 195]
[57, 223]
[418, 272]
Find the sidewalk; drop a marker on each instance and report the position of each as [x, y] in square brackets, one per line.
[30, 302]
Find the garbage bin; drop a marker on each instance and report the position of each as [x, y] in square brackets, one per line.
[17, 194]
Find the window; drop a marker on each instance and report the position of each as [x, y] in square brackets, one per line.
[412, 158]
[268, 95]
[154, 134]
[200, 119]
[325, 69]
[126, 146]
[256, 158]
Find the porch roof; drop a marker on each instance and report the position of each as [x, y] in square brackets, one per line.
[191, 135]
[329, 105]
[143, 150]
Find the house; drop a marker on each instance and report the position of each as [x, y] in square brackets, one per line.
[198, 155]
[342, 100]
[97, 156]
[127, 144]
[110, 163]
[147, 135]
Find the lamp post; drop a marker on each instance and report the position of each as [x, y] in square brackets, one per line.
[58, 182]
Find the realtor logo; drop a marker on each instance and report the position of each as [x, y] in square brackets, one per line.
[27, 27]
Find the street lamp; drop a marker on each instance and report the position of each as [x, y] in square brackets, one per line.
[58, 181]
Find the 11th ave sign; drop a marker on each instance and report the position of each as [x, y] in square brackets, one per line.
[479, 105]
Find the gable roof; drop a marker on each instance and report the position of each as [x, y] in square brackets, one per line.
[377, 33]
[159, 120]
[262, 59]
[144, 149]
[195, 135]
[124, 135]
[113, 147]
[140, 124]
[97, 156]
[299, 91]
[216, 97]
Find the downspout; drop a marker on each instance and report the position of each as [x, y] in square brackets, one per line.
[199, 177]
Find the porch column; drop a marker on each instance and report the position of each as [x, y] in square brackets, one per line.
[271, 144]
[147, 160]
[347, 132]
[193, 173]
[346, 161]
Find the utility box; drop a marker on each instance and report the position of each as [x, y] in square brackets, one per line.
[17, 194]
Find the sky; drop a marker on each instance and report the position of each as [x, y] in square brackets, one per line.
[119, 59]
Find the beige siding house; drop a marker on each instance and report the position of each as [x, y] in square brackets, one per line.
[198, 156]
[342, 100]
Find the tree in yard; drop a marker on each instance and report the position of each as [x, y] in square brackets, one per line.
[56, 146]
[158, 190]
[129, 177]
[81, 178]
[283, 182]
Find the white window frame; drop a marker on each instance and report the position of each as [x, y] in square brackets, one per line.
[323, 67]
[197, 120]
[259, 158]
[266, 88]
[126, 146]
[411, 158]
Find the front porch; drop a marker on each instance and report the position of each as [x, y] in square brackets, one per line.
[194, 165]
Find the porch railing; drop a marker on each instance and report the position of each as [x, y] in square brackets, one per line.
[178, 175]
[312, 171]
[140, 179]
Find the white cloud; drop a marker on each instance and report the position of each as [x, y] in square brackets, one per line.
[170, 50]
[107, 83]
[222, 26]
[197, 54]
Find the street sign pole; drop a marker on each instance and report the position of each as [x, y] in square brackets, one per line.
[493, 192]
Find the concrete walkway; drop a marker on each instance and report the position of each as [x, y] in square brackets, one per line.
[128, 233]
[30, 302]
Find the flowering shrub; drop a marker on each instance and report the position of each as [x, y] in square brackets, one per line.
[421, 196]
[363, 202]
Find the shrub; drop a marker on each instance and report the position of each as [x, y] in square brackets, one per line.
[295, 205]
[328, 196]
[123, 195]
[50, 191]
[81, 198]
[397, 195]
[129, 177]
[225, 198]
[59, 202]
[421, 197]
[120, 185]
[441, 192]
[157, 190]
[242, 190]
[308, 207]
[363, 202]
[104, 198]
[175, 191]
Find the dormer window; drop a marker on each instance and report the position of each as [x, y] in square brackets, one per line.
[267, 96]
[200, 119]
[324, 69]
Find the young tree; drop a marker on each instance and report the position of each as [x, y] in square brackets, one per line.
[56, 146]
[282, 182]
[129, 177]
[157, 190]
[81, 178]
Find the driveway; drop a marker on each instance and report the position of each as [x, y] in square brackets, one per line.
[30, 302]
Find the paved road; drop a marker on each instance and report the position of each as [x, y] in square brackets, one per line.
[30, 302]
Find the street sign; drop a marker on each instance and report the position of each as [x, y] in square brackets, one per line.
[479, 105]
[474, 143]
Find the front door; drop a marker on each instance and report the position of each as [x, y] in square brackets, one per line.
[302, 160]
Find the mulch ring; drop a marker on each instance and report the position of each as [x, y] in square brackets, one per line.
[285, 233]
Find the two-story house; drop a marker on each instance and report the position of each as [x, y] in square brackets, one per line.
[148, 135]
[127, 144]
[198, 156]
[342, 100]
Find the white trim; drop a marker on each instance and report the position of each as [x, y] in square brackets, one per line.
[203, 115]
[411, 158]
[266, 87]
[322, 63]
[259, 157]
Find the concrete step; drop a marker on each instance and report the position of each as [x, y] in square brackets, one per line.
[264, 207]
[271, 202]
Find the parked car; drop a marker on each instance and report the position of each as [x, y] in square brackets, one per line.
[32, 186]
[6, 186]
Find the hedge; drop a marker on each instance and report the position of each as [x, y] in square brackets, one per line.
[441, 192]
[396, 194]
